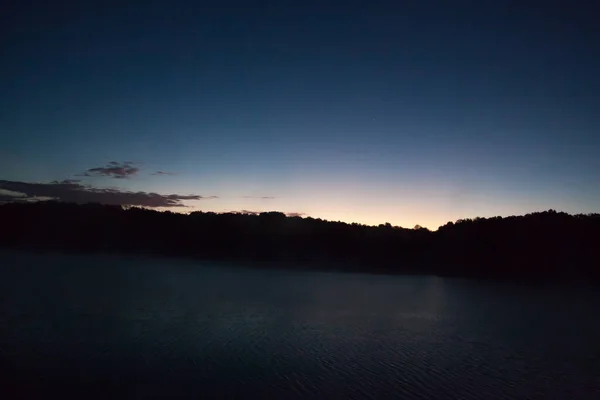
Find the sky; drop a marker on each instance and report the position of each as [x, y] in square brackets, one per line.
[371, 112]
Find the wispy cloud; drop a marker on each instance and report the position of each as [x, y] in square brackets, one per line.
[163, 173]
[73, 191]
[7, 196]
[113, 169]
[10, 193]
[290, 214]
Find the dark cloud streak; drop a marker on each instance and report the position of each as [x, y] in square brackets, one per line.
[113, 170]
[74, 192]
[163, 173]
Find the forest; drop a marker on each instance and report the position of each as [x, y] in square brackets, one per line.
[541, 246]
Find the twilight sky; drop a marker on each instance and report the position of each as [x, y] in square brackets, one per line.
[403, 112]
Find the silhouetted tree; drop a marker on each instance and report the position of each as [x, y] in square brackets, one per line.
[537, 246]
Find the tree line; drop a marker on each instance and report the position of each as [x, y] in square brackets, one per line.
[545, 245]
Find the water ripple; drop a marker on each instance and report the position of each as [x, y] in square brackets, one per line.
[150, 331]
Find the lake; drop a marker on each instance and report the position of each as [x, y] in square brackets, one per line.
[124, 326]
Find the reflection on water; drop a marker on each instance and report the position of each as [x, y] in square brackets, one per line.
[110, 325]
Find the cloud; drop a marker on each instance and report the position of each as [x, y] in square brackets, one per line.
[163, 173]
[11, 193]
[7, 196]
[75, 192]
[291, 214]
[113, 170]
[242, 212]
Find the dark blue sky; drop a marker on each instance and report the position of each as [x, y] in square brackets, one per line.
[371, 112]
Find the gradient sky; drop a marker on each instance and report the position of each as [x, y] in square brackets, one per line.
[402, 112]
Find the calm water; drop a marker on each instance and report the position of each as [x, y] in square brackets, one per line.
[124, 326]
